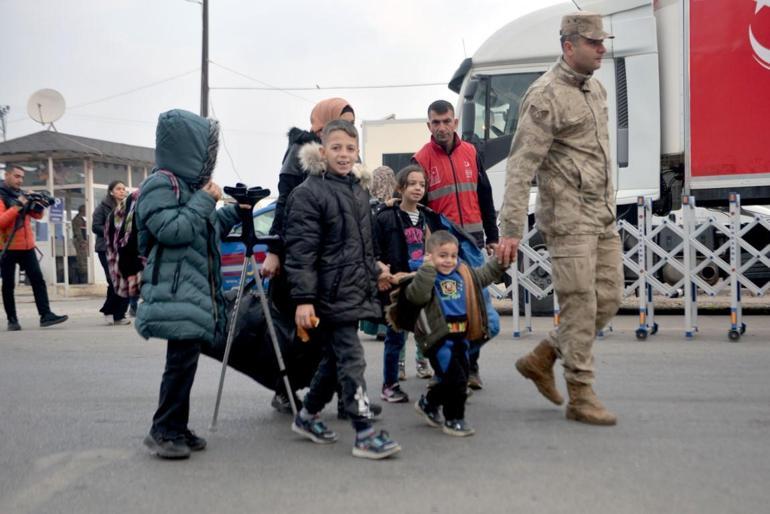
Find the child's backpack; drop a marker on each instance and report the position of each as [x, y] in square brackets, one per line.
[125, 262]
[399, 313]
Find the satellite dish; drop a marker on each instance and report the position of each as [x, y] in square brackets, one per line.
[46, 106]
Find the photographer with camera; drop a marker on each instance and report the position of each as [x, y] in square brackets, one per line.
[18, 246]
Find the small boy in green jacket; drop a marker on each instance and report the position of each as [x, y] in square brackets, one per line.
[452, 312]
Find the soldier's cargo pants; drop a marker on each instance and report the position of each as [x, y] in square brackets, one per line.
[587, 273]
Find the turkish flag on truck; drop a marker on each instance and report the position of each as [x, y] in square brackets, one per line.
[729, 87]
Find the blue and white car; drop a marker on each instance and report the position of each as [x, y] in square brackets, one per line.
[232, 250]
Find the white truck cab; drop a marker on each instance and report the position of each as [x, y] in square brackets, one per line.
[647, 75]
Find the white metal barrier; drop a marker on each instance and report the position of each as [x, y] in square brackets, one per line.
[685, 256]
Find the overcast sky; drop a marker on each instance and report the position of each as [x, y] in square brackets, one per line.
[90, 50]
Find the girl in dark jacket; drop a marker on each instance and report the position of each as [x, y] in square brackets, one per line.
[115, 307]
[401, 231]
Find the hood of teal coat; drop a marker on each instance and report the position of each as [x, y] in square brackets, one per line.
[185, 146]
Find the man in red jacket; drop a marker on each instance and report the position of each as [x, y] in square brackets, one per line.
[458, 188]
[18, 241]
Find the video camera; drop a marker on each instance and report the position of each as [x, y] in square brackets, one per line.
[38, 201]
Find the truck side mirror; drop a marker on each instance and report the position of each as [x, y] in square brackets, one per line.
[469, 109]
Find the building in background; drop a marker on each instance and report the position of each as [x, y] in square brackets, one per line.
[76, 170]
[392, 142]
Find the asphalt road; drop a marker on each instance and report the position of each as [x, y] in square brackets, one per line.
[693, 432]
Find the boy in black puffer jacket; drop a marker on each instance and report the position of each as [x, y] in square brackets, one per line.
[332, 273]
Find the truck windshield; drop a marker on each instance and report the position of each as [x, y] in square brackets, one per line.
[497, 103]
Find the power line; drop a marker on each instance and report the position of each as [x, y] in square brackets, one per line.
[127, 121]
[224, 143]
[321, 88]
[123, 93]
[270, 86]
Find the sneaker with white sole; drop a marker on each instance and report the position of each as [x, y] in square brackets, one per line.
[313, 429]
[457, 428]
[377, 446]
[121, 321]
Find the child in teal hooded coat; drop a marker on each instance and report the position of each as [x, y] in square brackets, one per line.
[179, 230]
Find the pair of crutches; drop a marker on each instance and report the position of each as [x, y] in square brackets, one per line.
[250, 196]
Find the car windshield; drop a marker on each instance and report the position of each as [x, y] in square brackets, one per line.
[262, 223]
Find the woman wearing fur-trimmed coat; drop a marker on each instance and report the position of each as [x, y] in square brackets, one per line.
[293, 171]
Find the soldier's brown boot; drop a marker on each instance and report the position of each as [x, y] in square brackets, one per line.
[538, 367]
[585, 407]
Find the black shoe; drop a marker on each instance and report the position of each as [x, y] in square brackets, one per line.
[281, 403]
[168, 448]
[13, 326]
[430, 415]
[51, 319]
[374, 408]
[194, 442]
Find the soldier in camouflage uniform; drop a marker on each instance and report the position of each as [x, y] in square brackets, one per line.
[562, 139]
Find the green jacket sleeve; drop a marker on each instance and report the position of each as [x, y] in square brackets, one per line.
[227, 218]
[169, 223]
[420, 289]
[490, 272]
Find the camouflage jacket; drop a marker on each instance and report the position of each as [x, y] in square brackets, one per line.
[563, 139]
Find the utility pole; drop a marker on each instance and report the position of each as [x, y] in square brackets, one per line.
[3, 112]
[205, 61]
